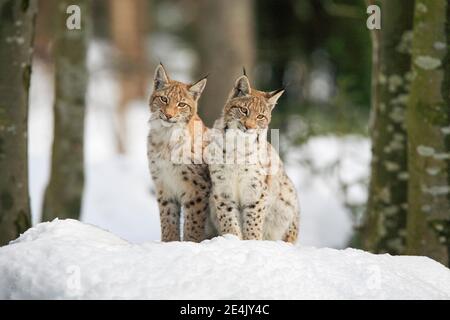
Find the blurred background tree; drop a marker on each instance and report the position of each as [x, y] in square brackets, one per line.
[63, 196]
[129, 21]
[428, 127]
[230, 22]
[15, 75]
[385, 223]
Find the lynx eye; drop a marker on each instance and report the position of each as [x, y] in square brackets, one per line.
[182, 105]
[261, 117]
[163, 99]
[243, 110]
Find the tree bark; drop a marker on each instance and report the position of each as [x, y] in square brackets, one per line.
[44, 31]
[226, 44]
[428, 121]
[16, 36]
[63, 195]
[129, 22]
[385, 224]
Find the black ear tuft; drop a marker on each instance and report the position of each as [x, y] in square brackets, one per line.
[274, 93]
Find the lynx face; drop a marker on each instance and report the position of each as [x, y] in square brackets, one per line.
[173, 101]
[248, 109]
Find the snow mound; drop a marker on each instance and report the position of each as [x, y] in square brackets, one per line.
[66, 259]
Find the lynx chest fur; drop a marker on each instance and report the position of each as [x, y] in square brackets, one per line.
[166, 167]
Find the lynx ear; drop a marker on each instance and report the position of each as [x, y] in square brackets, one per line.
[197, 88]
[274, 96]
[161, 79]
[241, 87]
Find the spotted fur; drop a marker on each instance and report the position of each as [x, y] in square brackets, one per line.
[249, 200]
[185, 185]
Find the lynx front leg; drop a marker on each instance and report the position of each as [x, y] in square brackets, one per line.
[253, 215]
[169, 211]
[227, 214]
[292, 233]
[196, 208]
[195, 200]
[253, 207]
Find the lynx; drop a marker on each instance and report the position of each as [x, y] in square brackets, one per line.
[250, 200]
[186, 185]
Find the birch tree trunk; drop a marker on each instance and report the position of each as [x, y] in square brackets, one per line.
[384, 229]
[16, 36]
[428, 122]
[226, 44]
[63, 195]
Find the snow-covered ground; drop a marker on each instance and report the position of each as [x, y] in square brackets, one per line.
[67, 259]
[118, 194]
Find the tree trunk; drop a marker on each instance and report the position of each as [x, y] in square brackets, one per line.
[226, 44]
[16, 36]
[44, 31]
[428, 121]
[129, 21]
[384, 229]
[64, 191]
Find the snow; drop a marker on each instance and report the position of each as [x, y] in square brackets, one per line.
[67, 259]
[118, 193]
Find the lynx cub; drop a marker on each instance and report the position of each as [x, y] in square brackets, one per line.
[173, 123]
[247, 199]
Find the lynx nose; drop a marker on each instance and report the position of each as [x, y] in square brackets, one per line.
[250, 124]
[167, 115]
